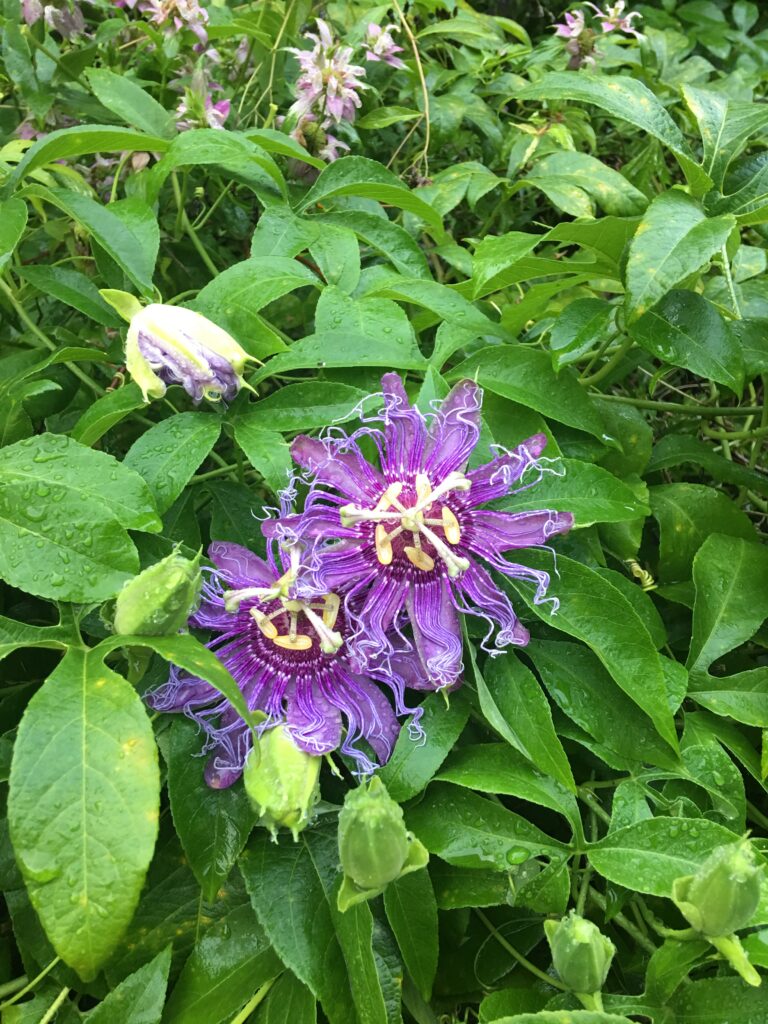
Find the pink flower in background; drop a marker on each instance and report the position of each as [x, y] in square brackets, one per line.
[613, 18]
[572, 27]
[381, 46]
[329, 83]
[31, 11]
[172, 14]
[198, 111]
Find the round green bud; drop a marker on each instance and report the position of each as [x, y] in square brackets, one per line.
[723, 894]
[373, 840]
[581, 954]
[159, 600]
[282, 781]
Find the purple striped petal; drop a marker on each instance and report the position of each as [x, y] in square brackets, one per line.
[405, 431]
[240, 566]
[503, 531]
[483, 598]
[454, 431]
[494, 479]
[436, 631]
[347, 471]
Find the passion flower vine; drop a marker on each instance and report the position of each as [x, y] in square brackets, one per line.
[286, 649]
[405, 540]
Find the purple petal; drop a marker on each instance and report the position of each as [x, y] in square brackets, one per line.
[436, 631]
[405, 431]
[494, 479]
[182, 692]
[455, 430]
[348, 472]
[314, 722]
[483, 598]
[374, 620]
[239, 565]
[503, 531]
[378, 723]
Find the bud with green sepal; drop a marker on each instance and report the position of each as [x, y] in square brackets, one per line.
[159, 600]
[375, 847]
[721, 898]
[282, 781]
[581, 955]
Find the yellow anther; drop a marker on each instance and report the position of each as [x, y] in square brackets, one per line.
[383, 545]
[389, 497]
[331, 609]
[423, 487]
[451, 527]
[262, 621]
[300, 642]
[419, 558]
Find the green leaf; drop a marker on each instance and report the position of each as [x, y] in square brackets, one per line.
[731, 603]
[687, 514]
[80, 141]
[337, 254]
[213, 825]
[293, 890]
[628, 100]
[674, 240]
[139, 998]
[686, 330]
[593, 610]
[235, 507]
[609, 189]
[106, 412]
[670, 965]
[680, 449]
[14, 634]
[84, 871]
[168, 453]
[13, 220]
[746, 192]
[306, 406]
[64, 509]
[123, 242]
[591, 493]
[564, 1017]
[413, 764]
[412, 913]
[584, 690]
[273, 141]
[714, 999]
[387, 238]
[228, 964]
[581, 326]
[288, 1002]
[494, 768]
[467, 887]
[233, 299]
[383, 117]
[73, 288]
[443, 301]
[359, 176]
[525, 375]
[512, 701]
[724, 125]
[469, 831]
[649, 856]
[131, 103]
[266, 450]
[495, 256]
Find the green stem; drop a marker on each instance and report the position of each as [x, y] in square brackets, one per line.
[590, 1000]
[253, 1002]
[684, 410]
[593, 804]
[623, 922]
[736, 435]
[541, 975]
[610, 365]
[30, 324]
[187, 225]
[9, 987]
[30, 984]
[756, 815]
[52, 1010]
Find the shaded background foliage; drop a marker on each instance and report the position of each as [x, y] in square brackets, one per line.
[591, 246]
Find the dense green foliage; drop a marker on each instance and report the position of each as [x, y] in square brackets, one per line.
[579, 224]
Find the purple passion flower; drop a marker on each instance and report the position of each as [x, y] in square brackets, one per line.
[406, 541]
[172, 345]
[287, 652]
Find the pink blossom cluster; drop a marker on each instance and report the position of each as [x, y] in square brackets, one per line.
[612, 19]
[172, 14]
[198, 109]
[66, 19]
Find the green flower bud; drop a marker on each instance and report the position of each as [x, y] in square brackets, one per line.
[373, 841]
[159, 600]
[282, 781]
[581, 954]
[723, 894]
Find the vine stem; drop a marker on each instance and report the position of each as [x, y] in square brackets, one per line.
[186, 223]
[50, 1013]
[610, 365]
[252, 1003]
[623, 922]
[684, 410]
[424, 91]
[736, 435]
[523, 961]
[30, 984]
[9, 987]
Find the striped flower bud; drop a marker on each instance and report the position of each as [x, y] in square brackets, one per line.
[281, 781]
[159, 600]
[724, 893]
[373, 841]
[581, 954]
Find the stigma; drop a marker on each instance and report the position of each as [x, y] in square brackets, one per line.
[416, 520]
[321, 617]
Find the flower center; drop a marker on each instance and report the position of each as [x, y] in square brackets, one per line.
[420, 519]
[321, 617]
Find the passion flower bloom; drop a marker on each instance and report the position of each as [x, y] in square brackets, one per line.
[380, 46]
[406, 540]
[173, 345]
[287, 652]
